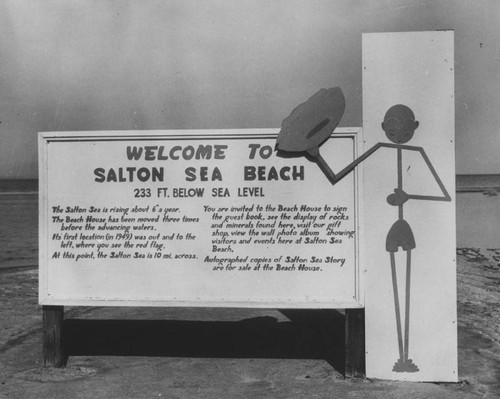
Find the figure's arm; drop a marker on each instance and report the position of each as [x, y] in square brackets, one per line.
[335, 178]
[445, 196]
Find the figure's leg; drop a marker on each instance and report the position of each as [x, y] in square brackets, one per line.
[396, 305]
[408, 364]
[407, 306]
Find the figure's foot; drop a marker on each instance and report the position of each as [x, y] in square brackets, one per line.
[407, 366]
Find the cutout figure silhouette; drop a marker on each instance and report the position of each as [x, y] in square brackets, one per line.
[399, 125]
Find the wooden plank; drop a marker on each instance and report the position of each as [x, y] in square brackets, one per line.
[194, 239]
[410, 278]
[53, 351]
[355, 343]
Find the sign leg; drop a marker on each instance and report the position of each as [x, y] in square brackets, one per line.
[53, 353]
[355, 342]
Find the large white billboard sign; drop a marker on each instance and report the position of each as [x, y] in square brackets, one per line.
[205, 218]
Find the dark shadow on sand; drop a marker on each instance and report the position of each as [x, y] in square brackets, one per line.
[310, 334]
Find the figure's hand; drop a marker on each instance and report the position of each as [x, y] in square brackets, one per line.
[398, 198]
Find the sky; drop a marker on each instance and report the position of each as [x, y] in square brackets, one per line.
[184, 64]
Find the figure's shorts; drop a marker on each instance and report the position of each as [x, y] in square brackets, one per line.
[400, 235]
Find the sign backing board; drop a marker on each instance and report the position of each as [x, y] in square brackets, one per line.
[196, 218]
[411, 322]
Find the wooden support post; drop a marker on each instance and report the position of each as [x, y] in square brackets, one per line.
[355, 343]
[53, 351]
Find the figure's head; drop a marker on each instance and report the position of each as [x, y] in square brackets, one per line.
[399, 124]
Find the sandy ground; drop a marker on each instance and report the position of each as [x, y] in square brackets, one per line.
[229, 353]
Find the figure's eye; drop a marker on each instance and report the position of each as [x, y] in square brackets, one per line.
[408, 124]
[391, 125]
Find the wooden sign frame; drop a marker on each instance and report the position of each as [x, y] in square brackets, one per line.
[53, 310]
[51, 140]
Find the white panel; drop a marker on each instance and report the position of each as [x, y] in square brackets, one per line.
[213, 235]
[414, 69]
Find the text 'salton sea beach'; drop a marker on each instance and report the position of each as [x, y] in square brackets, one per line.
[209, 218]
